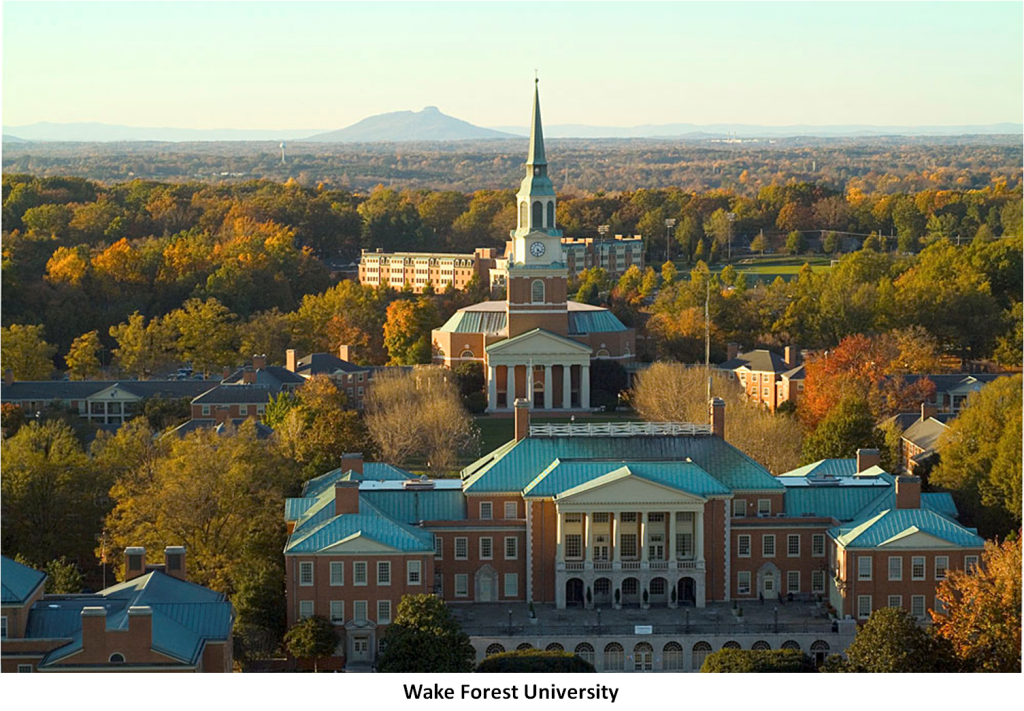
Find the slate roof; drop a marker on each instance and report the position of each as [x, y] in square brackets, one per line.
[564, 476]
[18, 582]
[947, 382]
[185, 615]
[925, 433]
[272, 376]
[262, 430]
[49, 390]
[513, 466]
[895, 523]
[237, 394]
[760, 360]
[325, 364]
[797, 373]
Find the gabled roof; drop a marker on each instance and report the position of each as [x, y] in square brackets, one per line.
[539, 334]
[184, 615]
[513, 466]
[18, 582]
[237, 394]
[369, 523]
[262, 430]
[925, 433]
[372, 471]
[325, 364]
[565, 476]
[797, 373]
[760, 360]
[892, 524]
[272, 376]
[961, 382]
[825, 467]
[49, 390]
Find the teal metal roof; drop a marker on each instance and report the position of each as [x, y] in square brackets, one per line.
[475, 322]
[491, 317]
[603, 321]
[18, 581]
[843, 503]
[893, 523]
[185, 616]
[294, 508]
[515, 465]
[372, 471]
[940, 502]
[826, 467]
[564, 476]
[411, 506]
[370, 522]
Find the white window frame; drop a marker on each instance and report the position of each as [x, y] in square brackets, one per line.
[864, 572]
[356, 607]
[383, 612]
[486, 510]
[944, 568]
[764, 506]
[743, 538]
[743, 582]
[338, 567]
[970, 563]
[306, 566]
[897, 572]
[463, 542]
[818, 545]
[860, 607]
[438, 547]
[915, 601]
[816, 576]
[337, 612]
[306, 609]
[511, 587]
[383, 566]
[790, 540]
[739, 508]
[413, 572]
[511, 544]
[360, 566]
[914, 561]
[791, 576]
[765, 539]
[897, 599]
[486, 548]
[511, 510]
[464, 579]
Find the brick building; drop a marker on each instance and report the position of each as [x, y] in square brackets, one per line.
[613, 254]
[417, 269]
[766, 377]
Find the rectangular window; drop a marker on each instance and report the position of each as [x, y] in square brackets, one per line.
[970, 562]
[574, 518]
[863, 567]
[305, 574]
[511, 510]
[917, 610]
[337, 573]
[896, 567]
[438, 547]
[383, 572]
[3, 627]
[338, 612]
[818, 545]
[743, 582]
[768, 545]
[461, 585]
[243, 410]
[413, 572]
[602, 517]
[629, 517]
[743, 545]
[305, 609]
[739, 508]
[206, 410]
[511, 585]
[656, 546]
[486, 548]
[863, 607]
[628, 541]
[917, 568]
[793, 545]
[817, 581]
[895, 601]
[793, 581]
[383, 612]
[359, 572]
[573, 546]
[764, 507]
[684, 546]
[461, 548]
[511, 548]
[941, 566]
[359, 610]
[486, 510]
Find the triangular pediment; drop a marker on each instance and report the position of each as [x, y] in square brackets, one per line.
[359, 543]
[624, 487]
[914, 537]
[538, 342]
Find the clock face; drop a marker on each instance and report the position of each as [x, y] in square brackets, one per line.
[537, 249]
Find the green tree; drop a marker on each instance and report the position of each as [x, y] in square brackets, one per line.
[847, 427]
[746, 661]
[795, 242]
[142, 350]
[312, 638]
[278, 408]
[425, 637]
[535, 661]
[832, 243]
[873, 243]
[63, 577]
[892, 641]
[260, 608]
[759, 244]
[83, 358]
[206, 334]
[24, 351]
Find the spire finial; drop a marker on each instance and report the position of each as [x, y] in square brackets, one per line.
[536, 79]
[536, 156]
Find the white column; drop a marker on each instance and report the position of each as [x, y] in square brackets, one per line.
[616, 537]
[671, 533]
[698, 535]
[510, 386]
[548, 395]
[585, 386]
[560, 546]
[567, 386]
[644, 534]
[492, 388]
[589, 518]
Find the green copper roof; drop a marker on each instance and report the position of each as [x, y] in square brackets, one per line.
[895, 523]
[372, 525]
[573, 476]
[826, 467]
[414, 506]
[18, 581]
[515, 465]
[372, 471]
[940, 502]
[536, 131]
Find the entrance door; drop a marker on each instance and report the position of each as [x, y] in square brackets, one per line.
[643, 658]
[361, 649]
[486, 589]
[573, 592]
[768, 586]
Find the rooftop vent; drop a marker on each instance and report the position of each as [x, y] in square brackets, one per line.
[418, 484]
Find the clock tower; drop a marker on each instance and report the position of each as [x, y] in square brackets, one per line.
[537, 274]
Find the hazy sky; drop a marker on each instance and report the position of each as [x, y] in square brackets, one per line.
[326, 64]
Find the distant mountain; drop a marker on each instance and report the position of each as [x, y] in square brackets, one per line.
[426, 125]
[13, 139]
[88, 132]
[689, 130]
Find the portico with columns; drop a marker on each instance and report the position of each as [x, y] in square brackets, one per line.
[552, 372]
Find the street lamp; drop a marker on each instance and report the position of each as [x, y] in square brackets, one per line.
[599, 620]
[602, 230]
[731, 216]
[509, 621]
[669, 224]
[776, 611]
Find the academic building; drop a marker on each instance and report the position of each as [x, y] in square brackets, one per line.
[640, 546]
[536, 344]
[417, 269]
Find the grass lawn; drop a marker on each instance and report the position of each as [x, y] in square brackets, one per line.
[767, 268]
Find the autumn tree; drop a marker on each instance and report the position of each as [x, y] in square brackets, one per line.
[143, 349]
[25, 352]
[83, 359]
[892, 641]
[407, 331]
[981, 614]
[795, 242]
[206, 334]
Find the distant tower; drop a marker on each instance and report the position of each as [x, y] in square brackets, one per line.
[282, 154]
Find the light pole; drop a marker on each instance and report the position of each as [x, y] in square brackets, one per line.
[509, 621]
[669, 224]
[599, 620]
[731, 216]
[776, 611]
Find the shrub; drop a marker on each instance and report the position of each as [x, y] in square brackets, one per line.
[748, 661]
[535, 661]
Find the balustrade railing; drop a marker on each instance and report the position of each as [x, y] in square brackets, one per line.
[618, 429]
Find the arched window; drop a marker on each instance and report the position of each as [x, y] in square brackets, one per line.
[731, 645]
[643, 657]
[494, 649]
[538, 215]
[672, 657]
[614, 658]
[790, 644]
[585, 652]
[537, 291]
[524, 646]
[700, 652]
[466, 354]
[117, 658]
[523, 214]
[551, 215]
[554, 647]
[760, 646]
[820, 650]
[603, 353]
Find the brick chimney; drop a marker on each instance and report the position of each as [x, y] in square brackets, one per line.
[140, 625]
[867, 458]
[174, 562]
[346, 497]
[248, 375]
[94, 627]
[226, 373]
[716, 412]
[259, 361]
[134, 562]
[732, 350]
[928, 409]
[345, 353]
[522, 410]
[792, 356]
[908, 492]
[352, 461]
[289, 359]
[8, 376]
